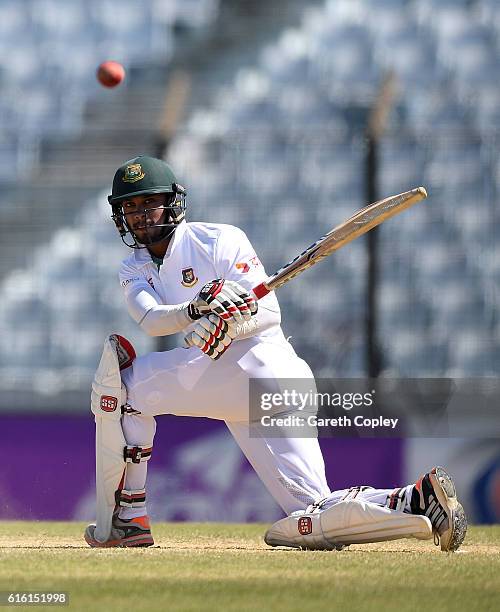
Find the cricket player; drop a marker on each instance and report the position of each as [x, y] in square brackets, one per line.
[196, 279]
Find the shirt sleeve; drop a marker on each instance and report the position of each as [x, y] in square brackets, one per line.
[144, 306]
[236, 260]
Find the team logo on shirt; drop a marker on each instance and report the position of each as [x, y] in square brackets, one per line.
[189, 278]
[133, 173]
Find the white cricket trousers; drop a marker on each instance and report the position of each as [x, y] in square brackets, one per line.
[185, 382]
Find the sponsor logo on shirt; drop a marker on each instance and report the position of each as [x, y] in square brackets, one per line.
[129, 280]
[189, 278]
[244, 266]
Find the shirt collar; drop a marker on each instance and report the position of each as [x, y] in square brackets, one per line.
[142, 256]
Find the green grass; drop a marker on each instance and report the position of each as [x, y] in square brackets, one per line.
[228, 567]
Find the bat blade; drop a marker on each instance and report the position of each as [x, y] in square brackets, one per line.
[360, 223]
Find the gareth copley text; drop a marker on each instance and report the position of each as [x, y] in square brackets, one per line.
[294, 420]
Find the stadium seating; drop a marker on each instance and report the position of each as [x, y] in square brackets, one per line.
[53, 72]
[444, 56]
[281, 153]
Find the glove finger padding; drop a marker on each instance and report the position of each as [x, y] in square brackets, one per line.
[212, 327]
[252, 304]
[247, 298]
[210, 335]
[230, 307]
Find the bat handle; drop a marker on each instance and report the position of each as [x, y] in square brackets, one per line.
[260, 290]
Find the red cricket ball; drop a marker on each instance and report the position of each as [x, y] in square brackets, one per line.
[110, 73]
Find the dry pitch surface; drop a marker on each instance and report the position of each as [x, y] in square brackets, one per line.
[228, 567]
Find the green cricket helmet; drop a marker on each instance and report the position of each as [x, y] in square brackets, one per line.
[145, 175]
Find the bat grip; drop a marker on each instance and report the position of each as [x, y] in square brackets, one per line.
[260, 291]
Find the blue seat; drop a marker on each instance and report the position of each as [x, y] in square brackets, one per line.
[488, 15]
[394, 18]
[401, 165]
[21, 65]
[15, 19]
[413, 61]
[59, 19]
[487, 109]
[437, 263]
[438, 108]
[459, 304]
[344, 56]
[195, 13]
[402, 348]
[472, 56]
[472, 353]
[10, 159]
[456, 165]
[444, 16]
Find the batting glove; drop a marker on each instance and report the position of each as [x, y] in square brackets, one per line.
[228, 299]
[211, 335]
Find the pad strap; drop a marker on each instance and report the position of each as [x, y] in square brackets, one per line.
[136, 454]
[127, 409]
[353, 492]
[133, 498]
[396, 500]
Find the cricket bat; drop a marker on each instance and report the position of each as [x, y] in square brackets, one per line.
[360, 223]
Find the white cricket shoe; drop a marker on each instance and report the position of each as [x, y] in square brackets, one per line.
[435, 496]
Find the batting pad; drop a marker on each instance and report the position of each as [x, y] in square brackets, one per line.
[110, 470]
[107, 397]
[347, 522]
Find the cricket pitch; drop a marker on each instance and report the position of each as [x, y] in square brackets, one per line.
[228, 567]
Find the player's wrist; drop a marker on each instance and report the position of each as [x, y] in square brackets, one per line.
[243, 330]
[192, 313]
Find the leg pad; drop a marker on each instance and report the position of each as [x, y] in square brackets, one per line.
[347, 522]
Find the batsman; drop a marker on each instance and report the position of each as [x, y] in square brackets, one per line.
[197, 279]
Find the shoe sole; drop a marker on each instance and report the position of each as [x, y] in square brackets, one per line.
[444, 489]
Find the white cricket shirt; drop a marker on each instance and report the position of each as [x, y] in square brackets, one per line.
[197, 254]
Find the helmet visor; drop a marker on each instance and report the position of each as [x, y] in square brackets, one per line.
[150, 220]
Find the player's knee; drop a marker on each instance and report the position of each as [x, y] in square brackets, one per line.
[108, 392]
[139, 429]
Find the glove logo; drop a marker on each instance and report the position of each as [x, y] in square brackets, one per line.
[109, 403]
[304, 525]
[189, 278]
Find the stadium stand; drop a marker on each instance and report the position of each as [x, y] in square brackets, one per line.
[280, 153]
[126, 30]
